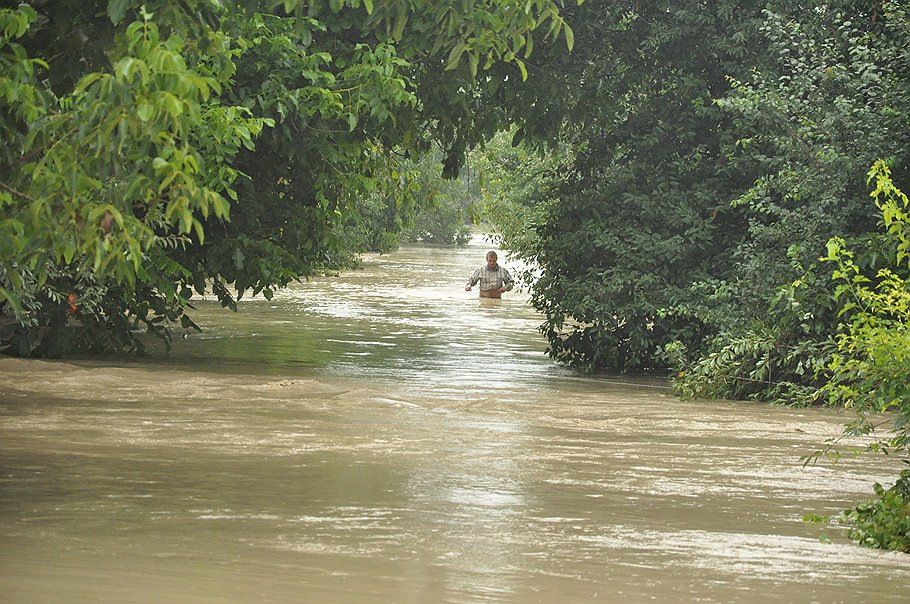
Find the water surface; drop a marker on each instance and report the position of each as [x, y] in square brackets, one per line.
[384, 436]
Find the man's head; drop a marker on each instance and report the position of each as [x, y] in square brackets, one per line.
[491, 259]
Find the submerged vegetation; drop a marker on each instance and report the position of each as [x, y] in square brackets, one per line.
[691, 182]
[883, 523]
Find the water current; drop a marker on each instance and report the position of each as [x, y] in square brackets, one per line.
[385, 436]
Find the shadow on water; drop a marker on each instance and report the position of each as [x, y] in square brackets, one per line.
[386, 436]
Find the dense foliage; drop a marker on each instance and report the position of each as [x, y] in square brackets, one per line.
[516, 189]
[870, 368]
[438, 212]
[836, 103]
[153, 149]
[639, 238]
[883, 523]
[443, 218]
[717, 149]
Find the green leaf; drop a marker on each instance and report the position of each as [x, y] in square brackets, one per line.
[96, 265]
[455, 56]
[123, 67]
[186, 220]
[200, 232]
[87, 81]
[524, 71]
[68, 252]
[116, 10]
[11, 299]
[400, 21]
[473, 60]
[145, 112]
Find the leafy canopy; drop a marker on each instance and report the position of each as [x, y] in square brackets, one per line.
[222, 147]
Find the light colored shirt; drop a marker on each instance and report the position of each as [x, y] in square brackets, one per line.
[496, 278]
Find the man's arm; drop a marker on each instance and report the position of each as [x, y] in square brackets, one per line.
[472, 280]
[507, 281]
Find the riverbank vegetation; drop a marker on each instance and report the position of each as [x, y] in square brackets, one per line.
[732, 212]
[712, 190]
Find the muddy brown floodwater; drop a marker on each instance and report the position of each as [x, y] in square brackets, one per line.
[384, 436]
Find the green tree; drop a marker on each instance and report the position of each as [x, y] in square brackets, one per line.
[719, 147]
[831, 100]
[870, 370]
[202, 146]
[107, 180]
[517, 189]
[640, 228]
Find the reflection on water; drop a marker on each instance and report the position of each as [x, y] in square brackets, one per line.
[366, 438]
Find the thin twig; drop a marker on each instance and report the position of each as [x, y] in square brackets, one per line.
[31, 154]
[6, 187]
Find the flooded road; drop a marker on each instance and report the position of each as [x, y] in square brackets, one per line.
[384, 436]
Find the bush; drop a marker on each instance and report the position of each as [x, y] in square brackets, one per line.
[883, 523]
[440, 224]
[870, 370]
[756, 365]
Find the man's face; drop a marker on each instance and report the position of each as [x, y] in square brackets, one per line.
[491, 261]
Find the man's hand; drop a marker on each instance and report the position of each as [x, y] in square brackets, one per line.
[468, 288]
[502, 290]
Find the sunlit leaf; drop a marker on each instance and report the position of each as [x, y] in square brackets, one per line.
[570, 36]
[145, 112]
[521, 66]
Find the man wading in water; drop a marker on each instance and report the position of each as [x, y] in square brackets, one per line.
[494, 279]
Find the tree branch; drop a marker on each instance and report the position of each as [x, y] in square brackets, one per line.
[6, 187]
[30, 155]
